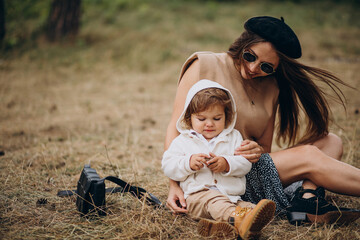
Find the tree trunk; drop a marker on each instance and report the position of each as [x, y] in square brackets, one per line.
[2, 20]
[64, 19]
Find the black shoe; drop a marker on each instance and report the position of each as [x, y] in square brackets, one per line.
[317, 209]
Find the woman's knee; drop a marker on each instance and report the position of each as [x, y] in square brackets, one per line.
[331, 145]
[336, 142]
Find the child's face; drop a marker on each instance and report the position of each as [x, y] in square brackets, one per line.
[210, 122]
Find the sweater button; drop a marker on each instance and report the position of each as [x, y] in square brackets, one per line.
[215, 181]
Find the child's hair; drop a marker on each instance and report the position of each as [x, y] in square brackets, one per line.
[207, 98]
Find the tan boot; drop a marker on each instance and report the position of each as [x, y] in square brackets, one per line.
[215, 229]
[250, 221]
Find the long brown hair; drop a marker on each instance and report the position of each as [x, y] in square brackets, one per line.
[297, 91]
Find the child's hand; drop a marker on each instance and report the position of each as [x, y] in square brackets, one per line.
[218, 164]
[197, 161]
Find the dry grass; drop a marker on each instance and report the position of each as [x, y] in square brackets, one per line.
[107, 101]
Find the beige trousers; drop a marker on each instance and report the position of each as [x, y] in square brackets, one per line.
[212, 204]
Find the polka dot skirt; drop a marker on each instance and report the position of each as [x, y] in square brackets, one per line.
[263, 182]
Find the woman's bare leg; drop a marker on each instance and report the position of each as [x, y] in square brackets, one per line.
[317, 164]
[332, 146]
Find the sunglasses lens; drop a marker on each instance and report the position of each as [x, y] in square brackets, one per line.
[267, 68]
[249, 57]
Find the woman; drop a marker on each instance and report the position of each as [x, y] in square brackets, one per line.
[268, 83]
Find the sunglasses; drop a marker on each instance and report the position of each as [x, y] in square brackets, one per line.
[265, 67]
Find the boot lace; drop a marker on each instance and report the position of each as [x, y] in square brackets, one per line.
[242, 212]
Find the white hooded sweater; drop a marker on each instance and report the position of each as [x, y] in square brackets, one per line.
[176, 160]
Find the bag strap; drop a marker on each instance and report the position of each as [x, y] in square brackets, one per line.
[135, 191]
[124, 187]
[69, 193]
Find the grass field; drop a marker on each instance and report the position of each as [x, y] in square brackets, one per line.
[106, 99]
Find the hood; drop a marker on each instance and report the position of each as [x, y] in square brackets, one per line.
[200, 85]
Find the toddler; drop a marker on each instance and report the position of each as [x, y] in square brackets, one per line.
[202, 159]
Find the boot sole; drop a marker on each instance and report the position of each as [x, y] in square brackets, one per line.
[334, 217]
[208, 228]
[264, 214]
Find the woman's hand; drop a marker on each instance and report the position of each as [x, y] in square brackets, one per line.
[176, 201]
[250, 150]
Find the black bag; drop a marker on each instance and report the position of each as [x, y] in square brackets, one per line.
[91, 192]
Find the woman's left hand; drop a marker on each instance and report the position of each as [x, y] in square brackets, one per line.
[250, 150]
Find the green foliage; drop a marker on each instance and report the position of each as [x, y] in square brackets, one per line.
[24, 20]
[21, 10]
[162, 30]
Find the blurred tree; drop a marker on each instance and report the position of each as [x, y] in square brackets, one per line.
[64, 19]
[2, 20]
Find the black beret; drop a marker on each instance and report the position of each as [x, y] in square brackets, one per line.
[277, 32]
